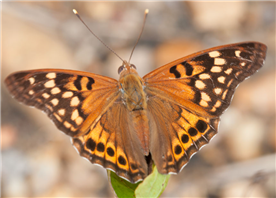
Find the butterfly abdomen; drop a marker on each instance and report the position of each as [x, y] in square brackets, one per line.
[134, 98]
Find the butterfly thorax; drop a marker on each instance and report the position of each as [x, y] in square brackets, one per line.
[134, 97]
[132, 92]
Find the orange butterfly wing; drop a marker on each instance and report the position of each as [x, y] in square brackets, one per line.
[72, 99]
[86, 107]
[186, 98]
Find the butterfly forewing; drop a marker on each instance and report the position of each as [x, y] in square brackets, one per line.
[72, 99]
[199, 87]
[89, 108]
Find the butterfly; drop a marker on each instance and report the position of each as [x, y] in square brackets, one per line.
[167, 115]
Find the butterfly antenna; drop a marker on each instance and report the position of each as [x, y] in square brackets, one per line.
[145, 16]
[76, 13]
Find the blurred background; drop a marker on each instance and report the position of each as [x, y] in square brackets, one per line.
[39, 161]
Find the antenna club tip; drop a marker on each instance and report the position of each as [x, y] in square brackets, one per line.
[75, 11]
[146, 11]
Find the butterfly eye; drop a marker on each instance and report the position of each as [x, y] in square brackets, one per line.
[131, 65]
[120, 69]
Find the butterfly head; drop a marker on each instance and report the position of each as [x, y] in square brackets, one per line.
[126, 69]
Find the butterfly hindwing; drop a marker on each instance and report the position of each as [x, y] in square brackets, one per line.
[180, 133]
[188, 95]
[67, 97]
[110, 144]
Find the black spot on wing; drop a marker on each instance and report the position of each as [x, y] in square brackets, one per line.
[110, 151]
[201, 126]
[177, 149]
[185, 138]
[89, 84]
[122, 160]
[91, 144]
[100, 147]
[77, 82]
[189, 69]
[192, 131]
[174, 71]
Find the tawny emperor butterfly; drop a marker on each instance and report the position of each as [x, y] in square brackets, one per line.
[169, 114]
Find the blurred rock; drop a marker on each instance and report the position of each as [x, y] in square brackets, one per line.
[217, 15]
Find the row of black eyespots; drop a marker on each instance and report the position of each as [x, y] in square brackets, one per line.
[188, 68]
[91, 145]
[201, 126]
[77, 83]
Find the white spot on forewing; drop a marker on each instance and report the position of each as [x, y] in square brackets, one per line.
[31, 92]
[67, 94]
[219, 61]
[79, 120]
[75, 114]
[51, 75]
[213, 109]
[50, 84]
[55, 90]
[205, 97]
[221, 79]
[214, 54]
[243, 64]
[228, 71]
[74, 101]
[218, 103]
[203, 103]
[55, 101]
[32, 80]
[61, 112]
[199, 84]
[216, 69]
[67, 124]
[218, 91]
[237, 53]
[45, 95]
[204, 76]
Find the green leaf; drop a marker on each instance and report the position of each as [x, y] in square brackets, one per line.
[153, 185]
[122, 187]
